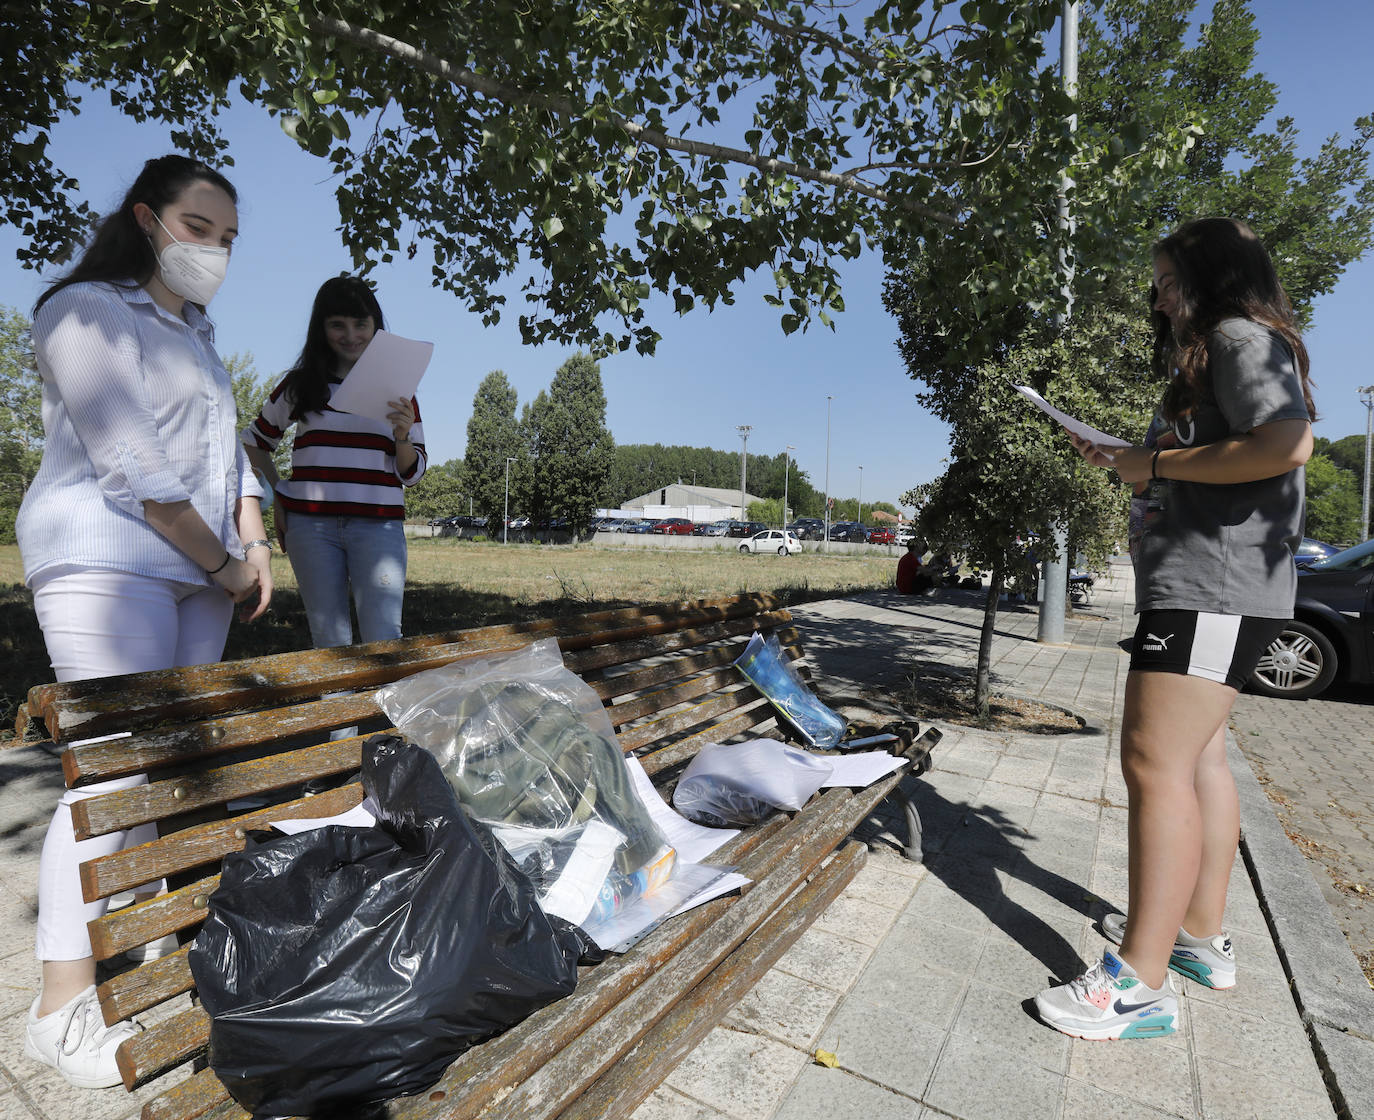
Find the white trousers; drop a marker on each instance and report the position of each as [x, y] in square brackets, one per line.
[100, 623]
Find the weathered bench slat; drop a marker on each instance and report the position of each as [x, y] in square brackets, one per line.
[624, 1086]
[159, 748]
[641, 735]
[151, 1053]
[202, 844]
[136, 701]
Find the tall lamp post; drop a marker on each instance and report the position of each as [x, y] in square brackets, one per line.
[505, 525]
[861, 496]
[826, 543]
[786, 470]
[744, 430]
[1367, 396]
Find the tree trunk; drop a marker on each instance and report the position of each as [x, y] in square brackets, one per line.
[982, 684]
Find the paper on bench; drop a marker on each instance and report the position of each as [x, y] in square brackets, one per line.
[862, 769]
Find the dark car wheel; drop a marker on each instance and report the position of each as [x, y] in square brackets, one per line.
[782, 550]
[744, 548]
[1298, 664]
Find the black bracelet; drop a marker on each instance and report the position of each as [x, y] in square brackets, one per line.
[1154, 465]
[227, 557]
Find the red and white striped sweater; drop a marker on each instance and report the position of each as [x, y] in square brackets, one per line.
[341, 464]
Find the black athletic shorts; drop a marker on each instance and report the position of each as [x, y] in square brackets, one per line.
[1217, 647]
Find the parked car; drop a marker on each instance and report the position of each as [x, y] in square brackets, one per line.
[636, 526]
[673, 526]
[712, 529]
[881, 534]
[850, 531]
[1312, 549]
[905, 536]
[808, 529]
[772, 540]
[521, 522]
[744, 528]
[1331, 635]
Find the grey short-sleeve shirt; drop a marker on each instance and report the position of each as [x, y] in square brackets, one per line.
[1228, 549]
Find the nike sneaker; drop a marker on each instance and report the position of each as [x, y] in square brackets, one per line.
[1210, 961]
[1110, 1001]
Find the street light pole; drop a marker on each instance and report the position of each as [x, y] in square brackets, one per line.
[786, 470]
[826, 543]
[860, 518]
[505, 525]
[1054, 574]
[1367, 396]
[744, 430]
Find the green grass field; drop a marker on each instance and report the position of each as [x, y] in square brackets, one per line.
[453, 584]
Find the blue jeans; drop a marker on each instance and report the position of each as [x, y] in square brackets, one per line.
[331, 554]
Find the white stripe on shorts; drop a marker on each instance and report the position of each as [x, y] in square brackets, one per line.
[1214, 646]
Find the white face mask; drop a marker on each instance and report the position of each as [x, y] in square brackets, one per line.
[192, 271]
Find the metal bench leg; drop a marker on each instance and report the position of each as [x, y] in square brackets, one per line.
[912, 851]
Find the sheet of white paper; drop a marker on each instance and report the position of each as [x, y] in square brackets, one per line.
[694, 842]
[861, 769]
[360, 816]
[388, 370]
[1076, 426]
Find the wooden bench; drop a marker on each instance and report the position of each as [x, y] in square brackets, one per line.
[212, 735]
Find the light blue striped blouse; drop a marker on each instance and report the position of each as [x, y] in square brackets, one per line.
[137, 406]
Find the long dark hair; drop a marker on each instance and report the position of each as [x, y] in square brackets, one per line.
[307, 383]
[120, 252]
[1222, 271]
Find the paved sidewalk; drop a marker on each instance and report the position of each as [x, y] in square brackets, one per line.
[918, 978]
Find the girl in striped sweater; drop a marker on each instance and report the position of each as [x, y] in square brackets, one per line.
[340, 513]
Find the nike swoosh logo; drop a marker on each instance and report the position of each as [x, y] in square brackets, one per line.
[1121, 1007]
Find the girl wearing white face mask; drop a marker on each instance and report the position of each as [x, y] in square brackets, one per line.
[143, 526]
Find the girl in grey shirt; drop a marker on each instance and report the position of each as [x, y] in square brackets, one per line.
[1215, 578]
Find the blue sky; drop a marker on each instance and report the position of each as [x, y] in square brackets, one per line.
[713, 370]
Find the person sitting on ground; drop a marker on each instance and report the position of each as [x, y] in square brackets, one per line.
[911, 579]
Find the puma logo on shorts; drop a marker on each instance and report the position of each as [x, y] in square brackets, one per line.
[1217, 647]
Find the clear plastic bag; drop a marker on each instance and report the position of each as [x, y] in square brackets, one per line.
[530, 751]
[737, 785]
[768, 669]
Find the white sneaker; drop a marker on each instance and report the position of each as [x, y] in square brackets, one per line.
[1110, 1001]
[1210, 961]
[75, 1041]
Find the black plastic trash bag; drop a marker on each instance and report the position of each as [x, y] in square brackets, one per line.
[345, 966]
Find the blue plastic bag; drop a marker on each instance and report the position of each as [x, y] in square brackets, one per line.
[768, 669]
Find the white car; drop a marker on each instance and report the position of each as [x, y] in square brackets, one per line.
[772, 540]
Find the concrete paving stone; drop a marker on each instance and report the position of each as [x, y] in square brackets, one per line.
[1006, 792]
[940, 904]
[668, 1104]
[1277, 1045]
[857, 919]
[826, 1094]
[894, 863]
[745, 1076]
[978, 1081]
[1147, 1070]
[1066, 815]
[1050, 896]
[1083, 789]
[911, 989]
[1232, 1092]
[893, 1048]
[1025, 772]
[1088, 1102]
[48, 1094]
[1351, 1061]
[1026, 953]
[938, 947]
[826, 958]
[988, 1016]
[785, 1007]
[1111, 883]
[14, 1107]
[882, 886]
